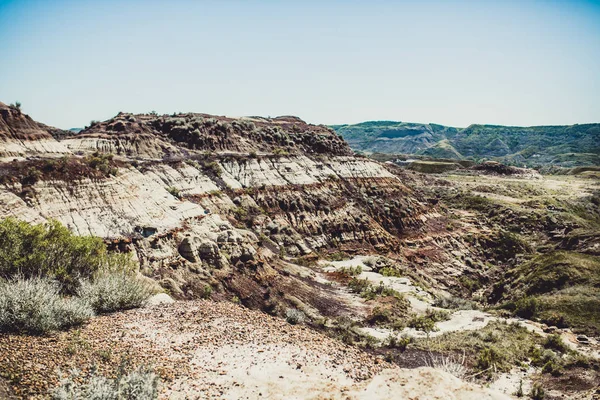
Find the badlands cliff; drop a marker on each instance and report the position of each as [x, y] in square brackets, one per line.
[280, 216]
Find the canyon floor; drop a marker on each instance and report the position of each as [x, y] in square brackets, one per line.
[205, 349]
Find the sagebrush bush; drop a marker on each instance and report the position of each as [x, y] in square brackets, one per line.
[140, 384]
[294, 316]
[36, 306]
[114, 290]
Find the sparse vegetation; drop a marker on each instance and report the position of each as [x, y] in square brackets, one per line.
[114, 290]
[36, 306]
[350, 271]
[52, 279]
[499, 346]
[173, 191]
[139, 384]
[537, 392]
[294, 316]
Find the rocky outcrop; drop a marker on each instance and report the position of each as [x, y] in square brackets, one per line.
[149, 135]
[202, 200]
[20, 135]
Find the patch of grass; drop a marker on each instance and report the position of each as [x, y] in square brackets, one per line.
[557, 270]
[500, 345]
[560, 288]
[575, 307]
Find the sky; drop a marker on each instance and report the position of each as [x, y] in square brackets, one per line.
[331, 62]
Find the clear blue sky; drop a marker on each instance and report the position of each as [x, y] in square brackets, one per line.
[450, 62]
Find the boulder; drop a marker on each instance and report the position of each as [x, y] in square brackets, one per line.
[160, 298]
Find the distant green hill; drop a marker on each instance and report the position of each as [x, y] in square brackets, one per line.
[572, 145]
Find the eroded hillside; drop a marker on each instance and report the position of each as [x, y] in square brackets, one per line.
[280, 216]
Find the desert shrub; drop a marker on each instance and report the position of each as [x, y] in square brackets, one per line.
[437, 315]
[350, 271]
[453, 302]
[173, 191]
[294, 316]
[555, 342]
[370, 262]
[527, 307]
[102, 162]
[422, 323]
[36, 306]
[550, 362]
[337, 256]
[395, 342]
[359, 285]
[488, 358]
[380, 315]
[33, 175]
[426, 322]
[390, 271]
[537, 392]
[212, 167]
[114, 290]
[140, 384]
[50, 250]
[207, 291]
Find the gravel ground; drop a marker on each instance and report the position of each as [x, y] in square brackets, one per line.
[204, 350]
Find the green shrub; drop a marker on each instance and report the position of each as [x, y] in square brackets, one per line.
[537, 392]
[359, 285]
[173, 191]
[380, 315]
[114, 290]
[36, 306]
[422, 323]
[207, 291]
[527, 307]
[49, 250]
[350, 271]
[455, 303]
[393, 342]
[140, 384]
[337, 256]
[555, 342]
[488, 358]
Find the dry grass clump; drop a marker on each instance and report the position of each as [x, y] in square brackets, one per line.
[140, 384]
[36, 306]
